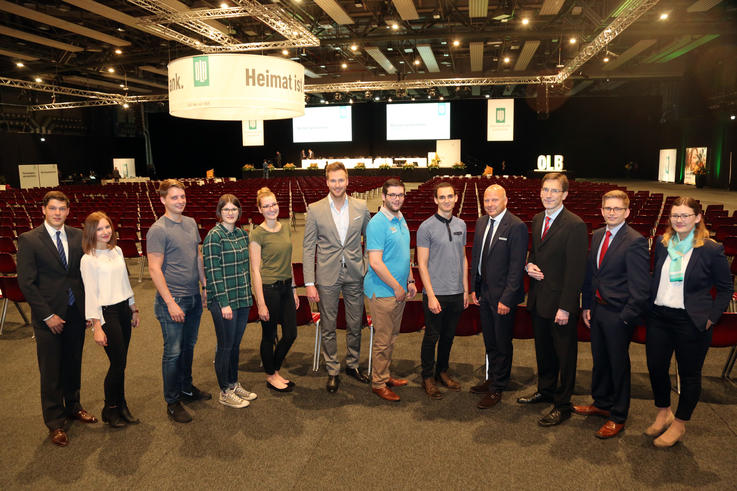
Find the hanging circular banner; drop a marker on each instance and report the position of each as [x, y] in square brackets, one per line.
[236, 87]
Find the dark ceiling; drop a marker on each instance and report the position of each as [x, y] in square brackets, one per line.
[72, 44]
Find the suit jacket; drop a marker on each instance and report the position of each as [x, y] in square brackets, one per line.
[503, 276]
[623, 279]
[42, 277]
[561, 256]
[321, 235]
[707, 268]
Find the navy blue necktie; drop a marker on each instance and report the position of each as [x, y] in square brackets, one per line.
[63, 257]
[487, 246]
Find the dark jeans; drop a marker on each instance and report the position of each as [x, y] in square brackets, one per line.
[60, 364]
[117, 328]
[282, 310]
[556, 350]
[439, 327]
[179, 341]
[670, 330]
[229, 334]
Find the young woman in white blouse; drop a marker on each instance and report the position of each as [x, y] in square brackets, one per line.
[110, 306]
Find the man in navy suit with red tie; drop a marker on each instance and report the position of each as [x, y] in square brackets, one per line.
[615, 295]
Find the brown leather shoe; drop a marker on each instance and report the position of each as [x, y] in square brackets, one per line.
[84, 417]
[609, 430]
[431, 389]
[590, 411]
[396, 382]
[386, 393]
[448, 382]
[482, 388]
[59, 437]
[489, 400]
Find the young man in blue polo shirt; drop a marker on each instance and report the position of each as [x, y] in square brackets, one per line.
[387, 284]
[441, 257]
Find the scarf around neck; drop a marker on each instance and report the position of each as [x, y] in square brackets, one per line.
[676, 250]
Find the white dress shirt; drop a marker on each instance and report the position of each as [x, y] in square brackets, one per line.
[105, 281]
[340, 217]
[52, 233]
[670, 293]
[486, 232]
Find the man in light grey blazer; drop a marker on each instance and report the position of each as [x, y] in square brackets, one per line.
[333, 232]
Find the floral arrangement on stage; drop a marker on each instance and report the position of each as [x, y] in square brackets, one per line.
[289, 166]
[248, 167]
[312, 166]
[271, 167]
[459, 165]
[434, 164]
[408, 166]
[385, 166]
[699, 169]
[360, 165]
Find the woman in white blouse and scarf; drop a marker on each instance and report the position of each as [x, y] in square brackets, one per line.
[110, 306]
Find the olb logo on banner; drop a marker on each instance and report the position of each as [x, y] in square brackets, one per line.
[201, 71]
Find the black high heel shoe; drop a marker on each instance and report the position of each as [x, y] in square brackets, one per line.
[126, 414]
[111, 416]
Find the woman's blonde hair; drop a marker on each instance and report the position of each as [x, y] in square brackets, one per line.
[263, 193]
[700, 231]
[89, 232]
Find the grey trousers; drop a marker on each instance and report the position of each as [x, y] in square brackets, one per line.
[328, 305]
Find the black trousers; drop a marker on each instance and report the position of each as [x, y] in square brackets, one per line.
[60, 365]
[610, 349]
[670, 330]
[117, 328]
[498, 331]
[440, 330]
[282, 310]
[556, 349]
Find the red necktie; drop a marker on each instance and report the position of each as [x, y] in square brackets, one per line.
[547, 226]
[604, 246]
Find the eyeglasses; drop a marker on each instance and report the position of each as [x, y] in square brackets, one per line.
[552, 190]
[272, 205]
[682, 216]
[229, 210]
[395, 195]
[609, 209]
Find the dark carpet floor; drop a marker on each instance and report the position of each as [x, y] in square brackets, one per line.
[310, 439]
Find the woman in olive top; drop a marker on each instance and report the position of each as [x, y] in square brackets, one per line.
[273, 287]
[225, 254]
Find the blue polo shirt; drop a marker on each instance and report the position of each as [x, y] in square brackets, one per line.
[388, 234]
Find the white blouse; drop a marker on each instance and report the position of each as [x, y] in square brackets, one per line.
[670, 293]
[106, 282]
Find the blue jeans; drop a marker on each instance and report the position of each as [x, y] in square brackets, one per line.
[229, 334]
[179, 341]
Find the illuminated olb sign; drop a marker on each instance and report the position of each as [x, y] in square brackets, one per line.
[546, 164]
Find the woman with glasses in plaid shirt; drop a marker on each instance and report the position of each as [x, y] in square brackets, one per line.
[227, 269]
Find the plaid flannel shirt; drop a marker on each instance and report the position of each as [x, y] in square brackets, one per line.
[227, 269]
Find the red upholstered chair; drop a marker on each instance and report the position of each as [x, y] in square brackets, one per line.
[7, 245]
[299, 277]
[725, 335]
[130, 251]
[7, 264]
[11, 292]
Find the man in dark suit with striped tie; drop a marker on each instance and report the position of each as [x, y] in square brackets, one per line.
[49, 277]
[557, 265]
[615, 295]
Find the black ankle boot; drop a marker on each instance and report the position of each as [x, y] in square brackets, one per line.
[126, 414]
[111, 416]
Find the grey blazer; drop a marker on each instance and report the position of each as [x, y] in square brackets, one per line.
[322, 243]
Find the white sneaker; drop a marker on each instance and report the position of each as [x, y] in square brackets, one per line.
[243, 393]
[230, 398]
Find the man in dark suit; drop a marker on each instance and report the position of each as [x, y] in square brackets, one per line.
[557, 265]
[614, 297]
[49, 277]
[497, 270]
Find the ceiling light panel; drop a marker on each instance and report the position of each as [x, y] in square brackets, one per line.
[7, 31]
[382, 60]
[18, 56]
[335, 11]
[635, 50]
[702, 5]
[525, 55]
[406, 9]
[152, 69]
[20, 11]
[477, 56]
[478, 8]
[428, 57]
[551, 7]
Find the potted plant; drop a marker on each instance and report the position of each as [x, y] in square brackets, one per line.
[360, 165]
[699, 173]
[289, 166]
[459, 165]
[312, 166]
[385, 166]
[247, 167]
[408, 166]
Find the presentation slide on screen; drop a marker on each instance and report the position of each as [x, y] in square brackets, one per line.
[425, 121]
[695, 164]
[323, 124]
[667, 165]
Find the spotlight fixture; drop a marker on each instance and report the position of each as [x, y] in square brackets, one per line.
[354, 47]
[344, 65]
[395, 26]
[487, 95]
[350, 101]
[664, 16]
[122, 85]
[285, 52]
[417, 62]
[572, 40]
[389, 99]
[606, 59]
[456, 43]
[19, 64]
[507, 59]
[376, 98]
[126, 105]
[43, 139]
[338, 96]
[431, 93]
[38, 80]
[732, 117]
[118, 51]
[436, 14]
[525, 21]
[111, 70]
[223, 5]
[358, 4]
[367, 94]
[442, 98]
